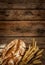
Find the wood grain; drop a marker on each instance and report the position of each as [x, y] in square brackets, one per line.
[22, 28]
[22, 1]
[28, 40]
[22, 4]
[22, 19]
[26, 15]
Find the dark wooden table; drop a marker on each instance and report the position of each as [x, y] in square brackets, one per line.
[22, 19]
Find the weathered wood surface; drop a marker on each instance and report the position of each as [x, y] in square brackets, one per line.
[22, 15]
[23, 4]
[25, 19]
[22, 1]
[22, 28]
[28, 40]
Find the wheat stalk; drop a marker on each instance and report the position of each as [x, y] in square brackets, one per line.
[32, 54]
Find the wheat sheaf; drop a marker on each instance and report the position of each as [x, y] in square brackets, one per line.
[16, 53]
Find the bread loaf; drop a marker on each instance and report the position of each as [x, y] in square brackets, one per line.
[14, 52]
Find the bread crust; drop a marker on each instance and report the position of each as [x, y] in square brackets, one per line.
[13, 52]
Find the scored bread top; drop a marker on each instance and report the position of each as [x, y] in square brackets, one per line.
[13, 52]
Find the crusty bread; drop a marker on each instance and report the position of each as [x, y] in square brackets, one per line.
[13, 52]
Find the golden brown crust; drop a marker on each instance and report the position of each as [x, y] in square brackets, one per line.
[13, 52]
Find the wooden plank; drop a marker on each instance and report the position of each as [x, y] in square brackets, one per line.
[22, 15]
[23, 4]
[22, 1]
[22, 28]
[28, 40]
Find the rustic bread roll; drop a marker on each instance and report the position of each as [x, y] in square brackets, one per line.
[13, 52]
